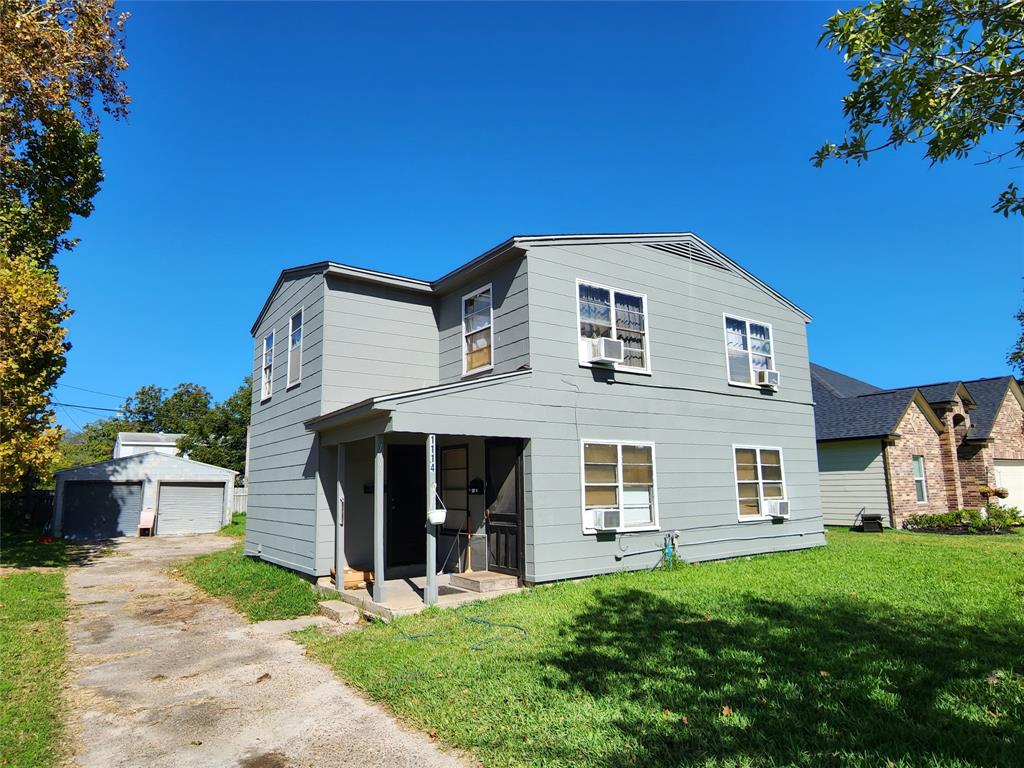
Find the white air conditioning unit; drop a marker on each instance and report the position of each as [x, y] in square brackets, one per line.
[608, 352]
[768, 379]
[776, 508]
[607, 519]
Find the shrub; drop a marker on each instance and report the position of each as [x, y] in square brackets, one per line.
[996, 519]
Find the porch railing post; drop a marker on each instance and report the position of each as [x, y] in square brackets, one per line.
[339, 523]
[430, 593]
[378, 519]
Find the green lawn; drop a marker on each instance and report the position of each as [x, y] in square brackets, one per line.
[894, 650]
[236, 527]
[258, 589]
[33, 608]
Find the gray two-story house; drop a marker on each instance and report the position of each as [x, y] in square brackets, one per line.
[576, 399]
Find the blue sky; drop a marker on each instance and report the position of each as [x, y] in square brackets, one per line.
[412, 137]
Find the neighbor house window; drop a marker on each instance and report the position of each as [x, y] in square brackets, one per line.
[613, 314]
[268, 366]
[477, 331]
[748, 349]
[920, 482]
[620, 476]
[295, 349]
[759, 480]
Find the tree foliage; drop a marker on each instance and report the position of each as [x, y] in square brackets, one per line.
[215, 434]
[1015, 358]
[947, 74]
[31, 359]
[60, 63]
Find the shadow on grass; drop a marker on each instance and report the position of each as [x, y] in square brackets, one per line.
[22, 549]
[844, 683]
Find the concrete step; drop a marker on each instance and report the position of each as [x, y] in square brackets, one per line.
[484, 581]
[339, 611]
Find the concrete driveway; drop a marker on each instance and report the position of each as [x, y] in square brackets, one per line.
[163, 675]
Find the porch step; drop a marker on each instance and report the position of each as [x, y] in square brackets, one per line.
[484, 581]
[339, 611]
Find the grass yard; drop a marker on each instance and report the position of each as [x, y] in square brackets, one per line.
[33, 608]
[894, 650]
[258, 589]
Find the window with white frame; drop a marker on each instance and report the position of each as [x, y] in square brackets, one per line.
[920, 481]
[295, 349]
[477, 331]
[759, 480]
[613, 314]
[748, 349]
[620, 476]
[268, 366]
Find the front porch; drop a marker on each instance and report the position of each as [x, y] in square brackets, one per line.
[376, 494]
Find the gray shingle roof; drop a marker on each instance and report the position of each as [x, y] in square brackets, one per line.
[989, 395]
[872, 413]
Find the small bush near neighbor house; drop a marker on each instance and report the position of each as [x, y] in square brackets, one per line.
[996, 519]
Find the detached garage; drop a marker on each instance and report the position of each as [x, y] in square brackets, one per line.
[106, 500]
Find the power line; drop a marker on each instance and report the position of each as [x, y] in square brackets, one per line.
[87, 407]
[73, 419]
[93, 391]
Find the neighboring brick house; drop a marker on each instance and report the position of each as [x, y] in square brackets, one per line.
[917, 449]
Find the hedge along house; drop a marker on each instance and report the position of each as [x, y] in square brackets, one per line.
[924, 449]
[575, 398]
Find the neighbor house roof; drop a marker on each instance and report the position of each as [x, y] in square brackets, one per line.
[149, 438]
[148, 457]
[686, 244]
[846, 408]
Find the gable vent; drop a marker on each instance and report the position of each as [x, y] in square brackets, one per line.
[690, 251]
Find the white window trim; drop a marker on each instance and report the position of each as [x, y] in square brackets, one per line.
[752, 384]
[923, 478]
[760, 485]
[263, 353]
[646, 370]
[656, 525]
[465, 336]
[288, 346]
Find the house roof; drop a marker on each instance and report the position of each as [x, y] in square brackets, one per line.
[688, 245]
[989, 395]
[145, 457]
[846, 408]
[149, 438]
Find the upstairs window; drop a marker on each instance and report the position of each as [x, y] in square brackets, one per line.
[920, 481]
[759, 480]
[620, 476]
[268, 366]
[295, 349]
[613, 314]
[748, 349]
[477, 331]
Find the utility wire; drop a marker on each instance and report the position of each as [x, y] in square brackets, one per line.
[87, 407]
[73, 419]
[93, 391]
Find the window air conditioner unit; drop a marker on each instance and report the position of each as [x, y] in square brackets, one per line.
[607, 519]
[776, 508]
[768, 379]
[608, 352]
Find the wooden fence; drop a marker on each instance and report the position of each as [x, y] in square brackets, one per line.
[239, 500]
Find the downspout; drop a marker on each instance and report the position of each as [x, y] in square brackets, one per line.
[888, 483]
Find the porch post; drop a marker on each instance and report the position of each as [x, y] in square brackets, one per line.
[339, 523]
[378, 519]
[430, 593]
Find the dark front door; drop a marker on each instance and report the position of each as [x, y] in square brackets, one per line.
[504, 501]
[406, 477]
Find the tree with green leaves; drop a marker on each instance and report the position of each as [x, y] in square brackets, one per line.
[60, 63]
[1015, 358]
[221, 435]
[946, 74]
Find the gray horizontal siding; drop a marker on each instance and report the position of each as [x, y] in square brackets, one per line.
[852, 476]
[511, 327]
[281, 511]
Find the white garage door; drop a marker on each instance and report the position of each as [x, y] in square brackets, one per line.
[190, 507]
[100, 509]
[1010, 475]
